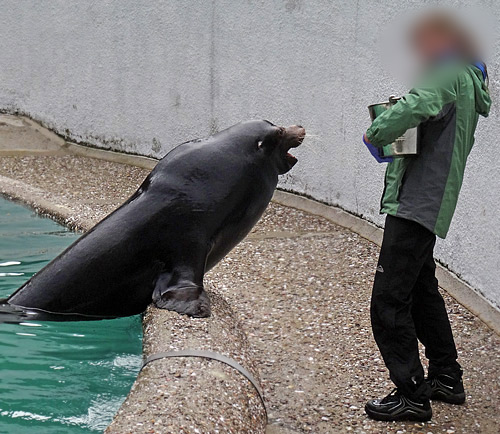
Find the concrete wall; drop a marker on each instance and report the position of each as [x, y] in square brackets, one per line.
[143, 76]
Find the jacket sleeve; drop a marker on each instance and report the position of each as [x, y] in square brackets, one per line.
[420, 104]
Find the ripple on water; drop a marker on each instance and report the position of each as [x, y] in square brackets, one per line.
[68, 377]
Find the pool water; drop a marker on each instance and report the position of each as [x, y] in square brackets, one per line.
[56, 377]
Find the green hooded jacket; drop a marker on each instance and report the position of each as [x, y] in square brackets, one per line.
[446, 107]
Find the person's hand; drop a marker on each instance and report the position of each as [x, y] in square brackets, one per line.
[375, 152]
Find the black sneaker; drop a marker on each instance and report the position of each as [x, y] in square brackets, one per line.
[396, 406]
[447, 388]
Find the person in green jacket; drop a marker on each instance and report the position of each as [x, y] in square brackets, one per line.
[420, 196]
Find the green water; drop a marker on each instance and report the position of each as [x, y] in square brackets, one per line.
[57, 377]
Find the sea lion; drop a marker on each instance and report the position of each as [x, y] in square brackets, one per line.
[199, 201]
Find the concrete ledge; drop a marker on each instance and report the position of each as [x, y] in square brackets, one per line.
[452, 284]
[116, 157]
[189, 395]
[35, 198]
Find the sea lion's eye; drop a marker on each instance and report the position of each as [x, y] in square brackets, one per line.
[259, 144]
[281, 131]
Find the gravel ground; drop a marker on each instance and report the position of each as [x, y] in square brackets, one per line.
[304, 303]
[300, 286]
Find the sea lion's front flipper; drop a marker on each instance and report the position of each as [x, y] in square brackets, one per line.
[185, 296]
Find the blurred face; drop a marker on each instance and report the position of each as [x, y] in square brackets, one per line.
[431, 44]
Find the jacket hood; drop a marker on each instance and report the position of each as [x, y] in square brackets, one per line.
[482, 94]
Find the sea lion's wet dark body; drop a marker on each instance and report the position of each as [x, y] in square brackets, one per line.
[200, 200]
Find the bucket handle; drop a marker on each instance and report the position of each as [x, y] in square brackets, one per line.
[394, 99]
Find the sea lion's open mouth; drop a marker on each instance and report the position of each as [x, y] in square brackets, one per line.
[296, 134]
[291, 159]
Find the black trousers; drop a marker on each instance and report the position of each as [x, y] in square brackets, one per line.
[407, 307]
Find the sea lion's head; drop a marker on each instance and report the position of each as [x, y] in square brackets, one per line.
[278, 142]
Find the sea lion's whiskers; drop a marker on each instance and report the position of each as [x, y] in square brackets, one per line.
[310, 147]
[310, 142]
